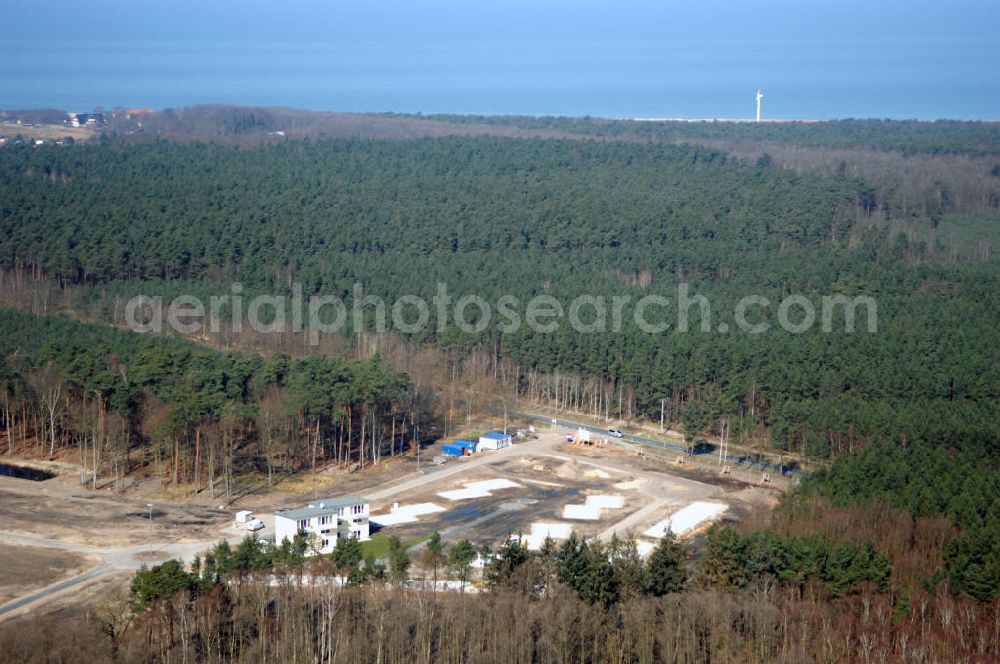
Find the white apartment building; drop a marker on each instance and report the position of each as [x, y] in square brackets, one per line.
[331, 520]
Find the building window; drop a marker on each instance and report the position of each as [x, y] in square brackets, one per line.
[304, 524]
[358, 509]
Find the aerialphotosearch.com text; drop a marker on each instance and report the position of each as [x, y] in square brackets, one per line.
[318, 315]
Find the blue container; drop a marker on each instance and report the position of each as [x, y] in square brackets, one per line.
[452, 449]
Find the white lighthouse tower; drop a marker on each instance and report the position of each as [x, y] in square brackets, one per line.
[760, 95]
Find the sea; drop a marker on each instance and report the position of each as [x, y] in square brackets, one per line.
[953, 79]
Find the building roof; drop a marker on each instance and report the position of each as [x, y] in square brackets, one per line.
[322, 507]
[496, 435]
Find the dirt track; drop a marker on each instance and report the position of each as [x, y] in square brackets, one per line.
[115, 533]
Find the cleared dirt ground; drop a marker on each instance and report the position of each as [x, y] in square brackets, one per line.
[547, 486]
[101, 527]
[553, 475]
[55, 509]
[28, 568]
[92, 596]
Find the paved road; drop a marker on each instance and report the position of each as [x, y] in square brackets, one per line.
[706, 454]
[461, 466]
[663, 490]
[54, 588]
[112, 560]
[123, 558]
[745, 458]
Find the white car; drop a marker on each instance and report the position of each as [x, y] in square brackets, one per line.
[255, 525]
[616, 433]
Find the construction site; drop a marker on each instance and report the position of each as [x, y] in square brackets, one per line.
[547, 484]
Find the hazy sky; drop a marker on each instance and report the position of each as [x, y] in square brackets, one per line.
[375, 20]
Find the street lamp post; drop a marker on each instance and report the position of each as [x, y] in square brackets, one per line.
[150, 506]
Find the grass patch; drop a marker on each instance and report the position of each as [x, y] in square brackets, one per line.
[304, 483]
[378, 545]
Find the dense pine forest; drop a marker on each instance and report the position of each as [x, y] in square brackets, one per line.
[200, 416]
[910, 137]
[216, 121]
[493, 217]
[889, 551]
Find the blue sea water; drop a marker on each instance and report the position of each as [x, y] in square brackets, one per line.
[926, 79]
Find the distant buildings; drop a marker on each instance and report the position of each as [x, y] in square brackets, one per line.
[138, 113]
[86, 119]
[133, 114]
[329, 520]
